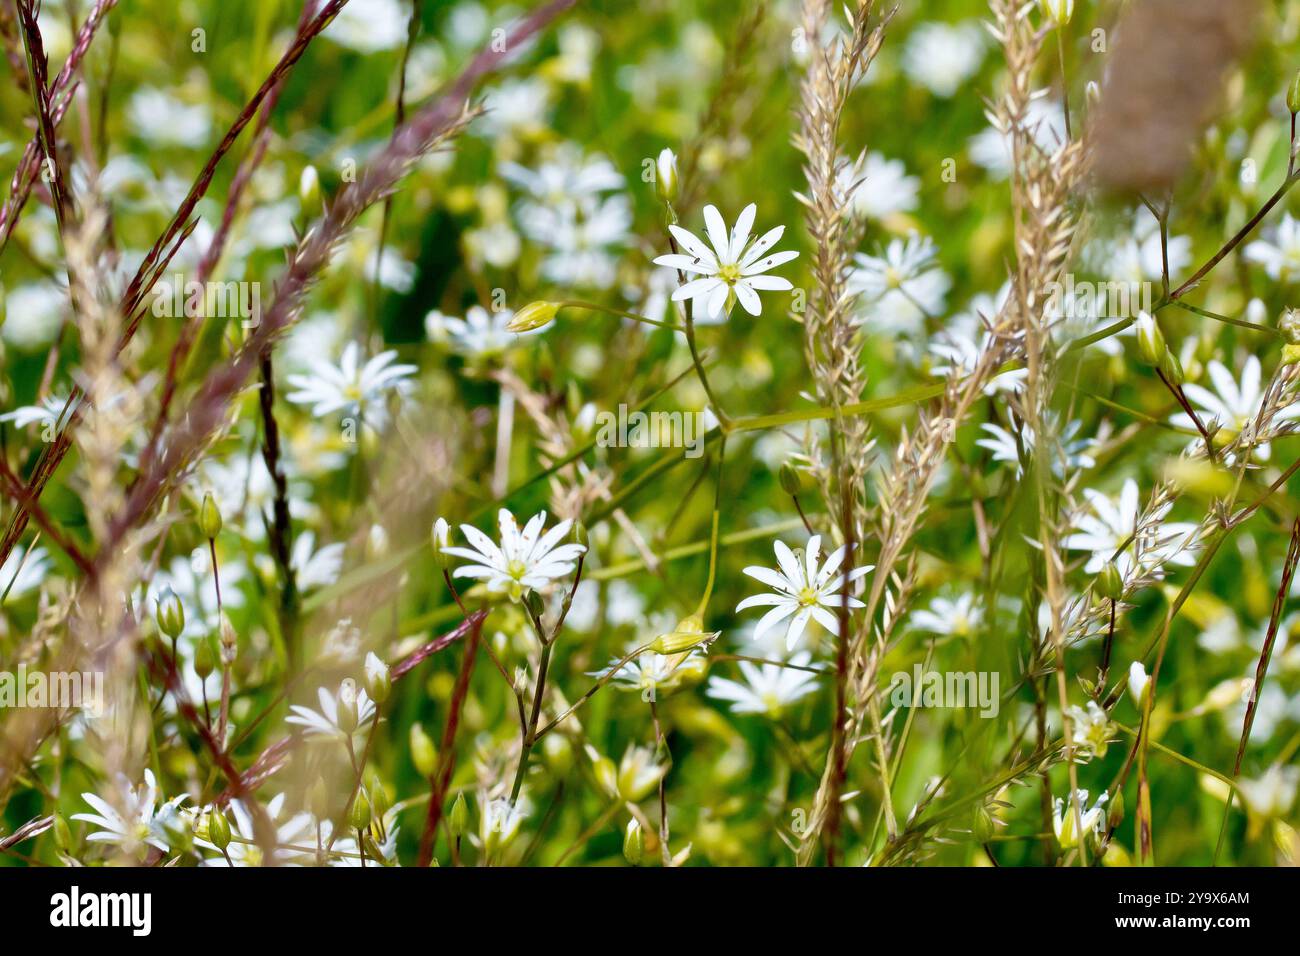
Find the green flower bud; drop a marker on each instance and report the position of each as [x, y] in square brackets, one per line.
[579, 534]
[439, 536]
[533, 316]
[218, 830]
[347, 706]
[1116, 815]
[1171, 368]
[1290, 354]
[204, 660]
[536, 606]
[379, 802]
[688, 633]
[359, 815]
[634, 843]
[1293, 94]
[170, 614]
[379, 682]
[791, 480]
[1109, 583]
[423, 754]
[309, 192]
[1151, 341]
[458, 819]
[62, 833]
[209, 518]
[1058, 11]
[667, 184]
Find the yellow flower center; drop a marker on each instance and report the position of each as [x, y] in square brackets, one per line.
[807, 597]
[516, 569]
[729, 273]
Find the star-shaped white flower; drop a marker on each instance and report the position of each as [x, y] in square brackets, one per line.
[766, 688]
[350, 386]
[803, 589]
[1113, 522]
[729, 271]
[339, 717]
[525, 559]
[135, 823]
[1231, 405]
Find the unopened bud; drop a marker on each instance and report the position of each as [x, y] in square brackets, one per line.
[218, 830]
[533, 316]
[1116, 814]
[440, 536]
[379, 682]
[458, 819]
[1171, 368]
[309, 191]
[667, 185]
[209, 518]
[423, 754]
[1058, 11]
[1293, 94]
[170, 614]
[634, 843]
[1138, 681]
[688, 633]
[379, 802]
[204, 660]
[1109, 583]
[533, 601]
[579, 534]
[359, 815]
[347, 706]
[791, 480]
[1151, 341]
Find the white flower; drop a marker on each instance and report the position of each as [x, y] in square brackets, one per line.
[803, 589]
[298, 830]
[1114, 522]
[23, 571]
[651, 671]
[350, 386]
[1045, 121]
[481, 334]
[733, 269]
[965, 337]
[50, 412]
[33, 313]
[901, 287]
[339, 716]
[514, 106]
[1092, 731]
[1063, 821]
[957, 617]
[1232, 406]
[527, 559]
[1137, 256]
[314, 569]
[1271, 795]
[636, 775]
[881, 187]
[499, 822]
[1279, 256]
[369, 26]
[135, 822]
[766, 688]
[162, 120]
[941, 57]
[568, 178]
[1005, 448]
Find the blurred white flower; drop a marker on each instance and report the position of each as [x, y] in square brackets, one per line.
[350, 386]
[1113, 522]
[1279, 254]
[766, 688]
[901, 287]
[369, 26]
[132, 822]
[480, 335]
[1232, 405]
[340, 716]
[957, 617]
[941, 57]
[163, 120]
[882, 186]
